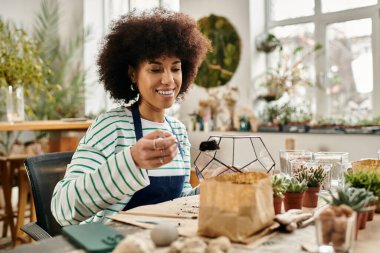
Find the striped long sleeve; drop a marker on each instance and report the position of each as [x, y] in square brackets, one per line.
[102, 177]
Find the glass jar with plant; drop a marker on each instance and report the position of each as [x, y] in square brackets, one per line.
[356, 198]
[279, 186]
[294, 194]
[314, 177]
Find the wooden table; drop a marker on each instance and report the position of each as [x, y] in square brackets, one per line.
[12, 162]
[368, 241]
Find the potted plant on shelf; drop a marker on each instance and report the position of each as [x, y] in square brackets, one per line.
[368, 180]
[314, 177]
[279, 186]
[294, 194]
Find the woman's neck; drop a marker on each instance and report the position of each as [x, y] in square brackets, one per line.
[151, 114]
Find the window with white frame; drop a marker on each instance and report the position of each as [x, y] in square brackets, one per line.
[349, 31]
[98, 15]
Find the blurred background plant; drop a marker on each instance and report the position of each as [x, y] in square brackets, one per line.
[21, 65]
[289, 73]
[65, 96]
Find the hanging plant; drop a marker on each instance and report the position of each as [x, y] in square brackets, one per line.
[220, 64]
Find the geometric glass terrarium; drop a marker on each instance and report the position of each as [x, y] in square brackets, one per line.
[235, 154]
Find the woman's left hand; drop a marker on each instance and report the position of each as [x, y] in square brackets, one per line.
[154, 150]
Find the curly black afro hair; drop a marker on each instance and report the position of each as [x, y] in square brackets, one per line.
[146, 36]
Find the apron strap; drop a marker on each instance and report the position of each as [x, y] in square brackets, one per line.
[137, 121]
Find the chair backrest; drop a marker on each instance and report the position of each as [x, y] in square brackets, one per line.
[44, 172]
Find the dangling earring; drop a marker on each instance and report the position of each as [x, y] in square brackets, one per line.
[132, 88]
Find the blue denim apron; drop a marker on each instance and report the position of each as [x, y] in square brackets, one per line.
[160, 189]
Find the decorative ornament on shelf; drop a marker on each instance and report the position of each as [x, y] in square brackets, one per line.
[221, 63]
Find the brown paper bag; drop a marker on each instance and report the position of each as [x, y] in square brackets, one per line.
[236, 205]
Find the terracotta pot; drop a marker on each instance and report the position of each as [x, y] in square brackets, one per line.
[277, 204]
[371, 213]
[363, 219]
[310, 199]
[293, 200]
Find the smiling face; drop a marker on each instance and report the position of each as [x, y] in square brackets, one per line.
[159, 82]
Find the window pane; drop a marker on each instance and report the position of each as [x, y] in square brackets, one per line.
[143, 5]
[295, 63]
[349, 79]
[339, 5]
[281, 9]
[292, 37]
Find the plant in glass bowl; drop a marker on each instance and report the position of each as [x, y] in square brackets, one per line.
[279, 186]
[314, 177]
[294, 194]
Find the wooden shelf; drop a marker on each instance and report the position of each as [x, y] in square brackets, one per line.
[45, 125]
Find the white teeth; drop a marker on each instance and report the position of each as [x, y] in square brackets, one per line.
[165, 92]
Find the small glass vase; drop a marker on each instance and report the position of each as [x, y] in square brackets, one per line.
[15, 104]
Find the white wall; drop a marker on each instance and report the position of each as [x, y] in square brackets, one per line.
[248, 25]
[23, 13]
[358, 146]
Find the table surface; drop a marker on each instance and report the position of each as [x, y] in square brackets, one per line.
[368, 241]
[45, 125]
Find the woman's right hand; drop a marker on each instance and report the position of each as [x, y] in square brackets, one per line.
[154, 150]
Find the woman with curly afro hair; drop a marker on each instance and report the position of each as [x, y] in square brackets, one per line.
[135, 155]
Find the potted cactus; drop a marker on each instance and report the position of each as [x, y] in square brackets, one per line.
[314, 177]
[294, 194]
[279, 185]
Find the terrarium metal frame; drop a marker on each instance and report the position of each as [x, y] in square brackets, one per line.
[261, 158]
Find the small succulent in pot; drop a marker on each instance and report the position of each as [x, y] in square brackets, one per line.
[368, 180]
[314, 176]
[295, 186]
[279, 186]
[356, 198]
[294, 194]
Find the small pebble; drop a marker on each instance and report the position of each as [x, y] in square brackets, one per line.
[164, 234]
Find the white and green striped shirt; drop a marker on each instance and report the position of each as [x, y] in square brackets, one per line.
[102, 177]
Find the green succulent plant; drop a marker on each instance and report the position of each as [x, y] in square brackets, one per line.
[313, 176]
[356, 198]
[294, 186]
[279, 186]
[368, 180]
